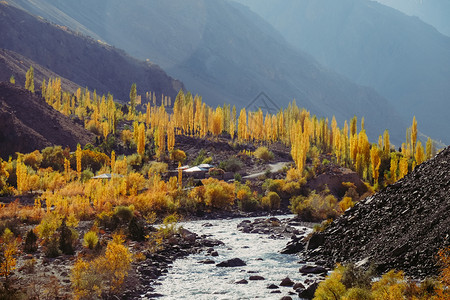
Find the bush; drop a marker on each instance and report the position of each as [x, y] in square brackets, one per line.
[136, 230]
[30, 245]
[135, 182]
[86, 175]
[231, 165]
[90, 239]
[103, 275]
[123, 213]
[200, 158]
[216, 172]
[346, 203]
[246, 200]
[218, 194]
[264, 154]
[169, 227]
[273, 185]
[178, 155]
[237, 177]
[33, 159]
[66, 239]
[271, 201]
[135, 161]
[315, 207]
[207, 160]
[53, 157]
[157, 168]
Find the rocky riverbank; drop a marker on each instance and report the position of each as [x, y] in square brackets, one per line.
[157, 263]
[402, 227]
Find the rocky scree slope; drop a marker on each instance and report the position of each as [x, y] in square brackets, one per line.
[402, 227]
[28, 123]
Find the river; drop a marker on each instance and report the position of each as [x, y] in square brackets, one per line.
[189, 279]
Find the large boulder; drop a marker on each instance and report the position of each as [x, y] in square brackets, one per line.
[234, 262]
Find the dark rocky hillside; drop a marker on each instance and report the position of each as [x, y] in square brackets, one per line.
[225, 53]
[28, 123]
[402, 227]
[12, 63]
[82, 60]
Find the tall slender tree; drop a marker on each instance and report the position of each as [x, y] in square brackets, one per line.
[133, 96]
[29, 79]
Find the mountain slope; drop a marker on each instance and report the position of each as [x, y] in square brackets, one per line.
[226, 53]
[402, 227]
[79, 59]
[404, 59]
[433, 12]
[12, 63]
[28, 123]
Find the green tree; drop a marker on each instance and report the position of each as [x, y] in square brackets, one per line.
[29, 79]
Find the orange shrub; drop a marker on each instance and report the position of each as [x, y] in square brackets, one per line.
[218, 194]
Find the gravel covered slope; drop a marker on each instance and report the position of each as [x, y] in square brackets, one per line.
[401, 227]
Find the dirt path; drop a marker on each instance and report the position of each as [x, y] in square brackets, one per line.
[272, 168]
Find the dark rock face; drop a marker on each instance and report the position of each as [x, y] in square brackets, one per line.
[402, 227]
[234, 262]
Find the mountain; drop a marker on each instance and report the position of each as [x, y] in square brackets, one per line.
[404, 59]
[224, 52]
[82, 60]
[402, 227]
[28, 123]
[433, 12]
[12, 63]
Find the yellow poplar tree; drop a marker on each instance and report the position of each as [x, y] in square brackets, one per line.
[22, 174]
[242, 125]
[113, 160]
[419, 155]
[393, 169]
[386, 145]
[170, 136]
[403, 167]
[414, 135]
[233, 122]
[9, 249]
[376, 162]
[430, 148]
[180, 176]
[141, 139]
[78, 155]
[29, 79]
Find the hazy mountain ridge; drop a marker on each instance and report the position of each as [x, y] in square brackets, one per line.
[404, 59]
[80, 59]
[434, 12]
[226, 53]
